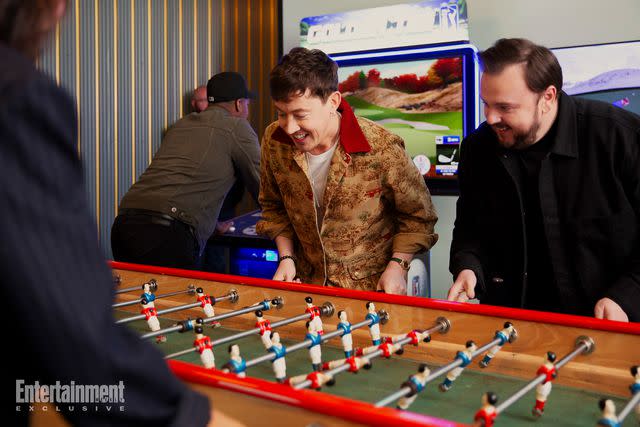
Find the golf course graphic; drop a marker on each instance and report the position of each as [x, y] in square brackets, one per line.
[421, 101]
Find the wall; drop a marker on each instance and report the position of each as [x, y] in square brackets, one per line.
[131, 65]
[549, 22]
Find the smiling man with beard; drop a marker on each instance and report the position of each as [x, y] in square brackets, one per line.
[548, 214]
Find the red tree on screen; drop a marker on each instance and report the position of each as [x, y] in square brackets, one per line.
[448, 69]
[351, 83]
[373, 78]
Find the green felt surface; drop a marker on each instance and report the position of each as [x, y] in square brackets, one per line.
[566, 406]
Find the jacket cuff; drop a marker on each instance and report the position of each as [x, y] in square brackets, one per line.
[626, 293]
[194, 410]
[411, 243]
[272, 230]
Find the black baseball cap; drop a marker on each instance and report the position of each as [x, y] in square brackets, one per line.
[227, 86]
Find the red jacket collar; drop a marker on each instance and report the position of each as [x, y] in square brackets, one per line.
[351, 137]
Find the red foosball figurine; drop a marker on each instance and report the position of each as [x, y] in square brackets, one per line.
[543, 389]
[205, 348]
[486, 416]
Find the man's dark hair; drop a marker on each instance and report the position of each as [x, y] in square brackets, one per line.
[21, 24]
[541, 67]
[303, 69]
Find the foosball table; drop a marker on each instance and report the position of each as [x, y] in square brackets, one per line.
[273, 353]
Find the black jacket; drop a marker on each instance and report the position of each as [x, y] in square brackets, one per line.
[56, 288]
[590, 202]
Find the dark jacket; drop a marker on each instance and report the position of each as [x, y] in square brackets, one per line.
[56, 288]
[200, 158]
[590, 202]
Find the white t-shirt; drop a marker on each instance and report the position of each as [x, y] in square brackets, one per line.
[318, 172]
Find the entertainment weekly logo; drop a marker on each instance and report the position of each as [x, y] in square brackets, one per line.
[70, 397]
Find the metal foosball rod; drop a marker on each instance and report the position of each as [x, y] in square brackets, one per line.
[326, 310]
[635, 401]
[153, 286]
[584, 345]
[190, 324]
[441, 371]
[442, 325]
[306, 343]
[191, 290]
[231, 296]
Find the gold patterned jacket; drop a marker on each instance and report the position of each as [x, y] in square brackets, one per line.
[375, 203]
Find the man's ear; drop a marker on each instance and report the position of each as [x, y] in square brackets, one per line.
[549, 96]
[334, 99]
[236, 104]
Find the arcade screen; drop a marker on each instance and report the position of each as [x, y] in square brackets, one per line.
[606, 72]
[420, 99]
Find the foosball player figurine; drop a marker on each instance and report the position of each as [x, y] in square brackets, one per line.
[150, 313]
[355, 364]
[416, 383]
[504, 336]
[608, 417]
[318, 379]
[543, 389]
[315, 351]
[207, 305]
[315, 312]
[279, 364]
[203, 344]
[265, 329]
[236, 363]
[346, 338]
[147, 293]
[635, 387]
[374, 327]
[465, 358]
[486, 416]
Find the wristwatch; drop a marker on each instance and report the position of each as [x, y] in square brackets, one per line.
[404, 264]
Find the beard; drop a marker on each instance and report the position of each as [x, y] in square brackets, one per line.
[526, 139]
[520, 139]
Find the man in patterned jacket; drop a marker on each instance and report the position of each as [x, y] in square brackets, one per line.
[339, 195]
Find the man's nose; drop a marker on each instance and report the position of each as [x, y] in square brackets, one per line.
[491, 115]
[290, 126]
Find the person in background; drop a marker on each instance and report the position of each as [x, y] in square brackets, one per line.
[199, 101]
[168, 215]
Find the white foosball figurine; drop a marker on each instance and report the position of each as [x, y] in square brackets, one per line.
[374, 326]
[205, 348]
[147, 293]
[315, 351]
[608, 417]
[236, 363]
[416, 383]
[150, 313]
[504, 336]
[279, 363]
[465, 358]
[346, 338]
